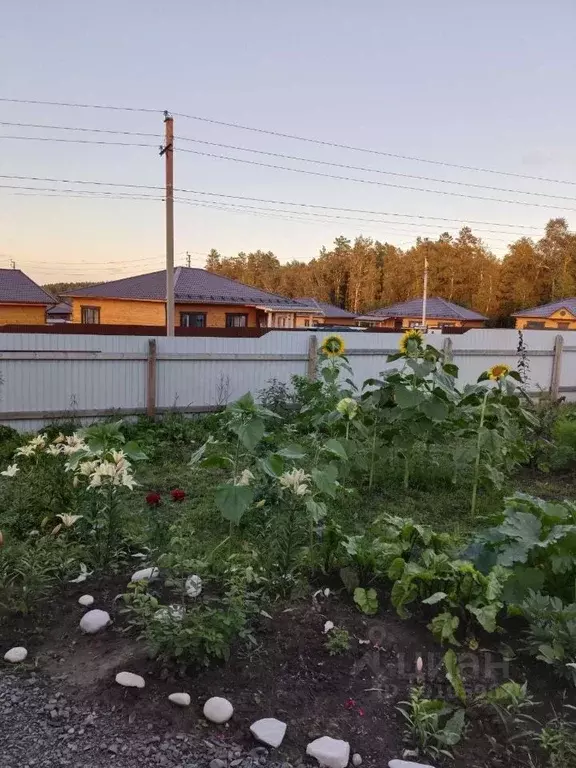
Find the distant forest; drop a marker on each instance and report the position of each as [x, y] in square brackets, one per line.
[364, 274]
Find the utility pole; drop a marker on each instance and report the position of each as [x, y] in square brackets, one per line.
[168, 152]
[12, 263]
[425, 291]
[188, 259]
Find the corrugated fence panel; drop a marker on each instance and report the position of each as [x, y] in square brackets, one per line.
[42, 374]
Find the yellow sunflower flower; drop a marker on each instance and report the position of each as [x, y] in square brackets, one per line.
[333, 346]
[411, 335]
[498, 371]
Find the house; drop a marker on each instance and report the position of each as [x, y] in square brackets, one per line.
[559, 315]
[202, 300]
[59, 313]
[326, 314]
[22, 301]
[440, 313]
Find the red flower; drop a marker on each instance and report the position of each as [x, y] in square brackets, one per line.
[349, 703]
[361, 712]
[153, 499]
[177, 494]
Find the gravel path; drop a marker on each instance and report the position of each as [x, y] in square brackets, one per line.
[41, 728]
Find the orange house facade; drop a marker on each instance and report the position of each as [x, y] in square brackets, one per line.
[439, 313]
[202, 300]
[559, 315]
[22, 301]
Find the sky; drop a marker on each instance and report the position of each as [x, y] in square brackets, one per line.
[487, 85]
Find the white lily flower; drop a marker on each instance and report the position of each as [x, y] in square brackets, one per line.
[54, 450]
[295, 480]
[84, 573]
[348, 407]
[11, 471]
[26, 450]
[245, 478]
[328, 627]
[69, 520]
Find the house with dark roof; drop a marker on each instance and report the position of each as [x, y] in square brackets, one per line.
[440, 313]
[202, 299]
[59, 313]
[558, 315]
[22, 301]
[325, 314]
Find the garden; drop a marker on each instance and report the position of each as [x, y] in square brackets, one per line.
[319, 574]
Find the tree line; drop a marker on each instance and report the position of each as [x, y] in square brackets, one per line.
[366, 274]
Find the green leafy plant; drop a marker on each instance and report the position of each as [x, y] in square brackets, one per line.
[338, 641]
[558, 739]
[551, 634]
[366, 600]
[432, 726]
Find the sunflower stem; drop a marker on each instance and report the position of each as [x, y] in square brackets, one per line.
[478, 452]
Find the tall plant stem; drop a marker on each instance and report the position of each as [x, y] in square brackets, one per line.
[478, 451]
[406, 471]
[372, 457]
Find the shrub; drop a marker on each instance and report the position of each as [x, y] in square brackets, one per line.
[551, 635]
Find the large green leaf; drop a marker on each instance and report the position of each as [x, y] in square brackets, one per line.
[421, 369]
[272, 465]
[435, 409]
[407, 398]
[233, 501]
[521, 582]
[453, 675]
[292, 452]
[317, 509]
[486, 615]
[451, 734]
[251, 432]
[134, 452]
[325, 479]
[336, 447]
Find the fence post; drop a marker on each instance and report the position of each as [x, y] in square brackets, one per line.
[447, 349]
[312, 357]
[151, 380]
[556, 367]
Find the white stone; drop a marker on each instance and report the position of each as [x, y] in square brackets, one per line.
[332, 753]
[356, 760]
[269, 731]
[14, 655]
[218, 710]
[86, 600]
[130, 680]
[145, 573]
[182, 699]
[193, 586]
[404, 764]
[94, 621]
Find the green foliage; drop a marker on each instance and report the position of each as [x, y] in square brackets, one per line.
[454, 676]
[558, 739]
[366, 600]
[338, 641]
[551, 634]
[432, 726]
[508, 700]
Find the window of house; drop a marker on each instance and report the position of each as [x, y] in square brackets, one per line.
[306, 323]
[535, 324]
[193, 319]
[235, 320]
[564, 325]
[90, 315]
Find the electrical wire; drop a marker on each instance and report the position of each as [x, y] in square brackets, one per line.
[261, 200]
[295, 137]
[267, 153]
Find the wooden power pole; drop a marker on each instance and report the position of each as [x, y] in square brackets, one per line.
[425, 291]
[168, 152]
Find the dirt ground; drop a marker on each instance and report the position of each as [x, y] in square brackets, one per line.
[287, 674]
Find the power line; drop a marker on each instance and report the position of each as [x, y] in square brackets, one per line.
[373, 181]
[261, 200]
[78, 141]
[262, 152]
[295, 137]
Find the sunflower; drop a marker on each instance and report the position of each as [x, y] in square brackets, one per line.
[411, 335]
[498, 371]
[333, 346]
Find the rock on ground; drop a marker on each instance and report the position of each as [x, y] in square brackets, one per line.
[94, 621]
[218, 710]
[404, 764]
[356, 760]
[130, 680]
[333, 753]
[15, 655]
[86, 600]
[182, 699]
[269, 731]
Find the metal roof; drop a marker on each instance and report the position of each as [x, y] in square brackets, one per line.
[191, 285]
[60, 309]
[328, 310]
[18, 288]
[435, 308]
[545, 310]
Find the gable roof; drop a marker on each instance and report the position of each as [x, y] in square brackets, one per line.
[326, 309]
[548, 309]
[18, 288]
[191, 285]
[435, 308]
[60, 309]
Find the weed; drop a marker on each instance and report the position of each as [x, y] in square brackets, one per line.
[338, 641]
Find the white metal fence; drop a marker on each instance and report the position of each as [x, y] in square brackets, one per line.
[44, 377]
